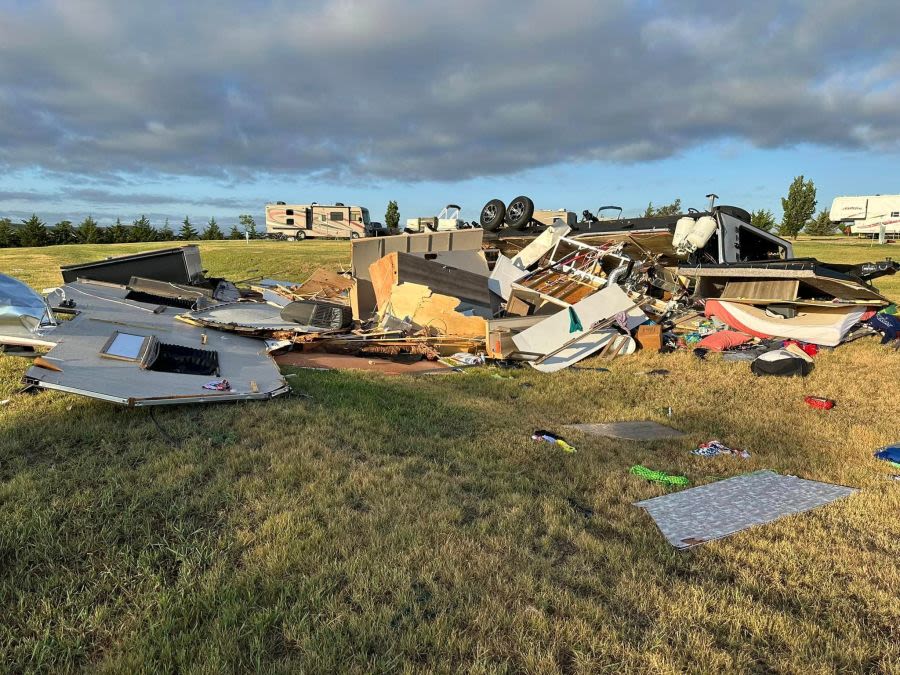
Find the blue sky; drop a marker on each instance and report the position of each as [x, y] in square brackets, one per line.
[215, 108]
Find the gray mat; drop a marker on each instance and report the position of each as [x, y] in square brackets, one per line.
[713, 511]
[629, 431]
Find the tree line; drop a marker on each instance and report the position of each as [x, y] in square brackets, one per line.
[35, 232]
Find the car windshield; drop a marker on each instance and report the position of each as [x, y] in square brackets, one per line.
[365, 215]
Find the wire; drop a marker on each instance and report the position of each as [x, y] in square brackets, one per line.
[163, 432]
[118, 302]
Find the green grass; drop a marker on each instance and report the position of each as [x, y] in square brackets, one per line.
[411, 524]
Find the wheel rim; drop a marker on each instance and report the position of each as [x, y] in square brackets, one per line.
[489, 212]
[515, 210]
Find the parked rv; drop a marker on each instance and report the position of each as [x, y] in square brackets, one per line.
[296, 222]
[866, 215]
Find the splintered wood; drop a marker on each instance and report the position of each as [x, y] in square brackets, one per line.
[434, 312]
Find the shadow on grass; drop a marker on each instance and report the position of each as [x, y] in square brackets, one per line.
[382, 521]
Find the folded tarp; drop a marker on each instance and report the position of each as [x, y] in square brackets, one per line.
[819, 325]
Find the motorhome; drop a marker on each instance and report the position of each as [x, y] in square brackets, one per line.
[865, 215]
[296, 222]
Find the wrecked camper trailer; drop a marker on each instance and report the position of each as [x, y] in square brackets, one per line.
[707, 282]
[721, 234]
[138, 354]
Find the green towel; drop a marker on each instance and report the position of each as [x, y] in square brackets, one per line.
[574, 321]
[658, 476]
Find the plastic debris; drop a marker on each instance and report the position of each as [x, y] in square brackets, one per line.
[820, 402]
[659, 476]
[551, 437]
[716, 448]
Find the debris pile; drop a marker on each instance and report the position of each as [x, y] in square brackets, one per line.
[151, 328]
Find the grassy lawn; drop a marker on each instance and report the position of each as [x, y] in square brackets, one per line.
[411, 523]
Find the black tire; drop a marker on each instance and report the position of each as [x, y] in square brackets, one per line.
[519, 212]
[300, 236]
[492, 215]
[354, 235]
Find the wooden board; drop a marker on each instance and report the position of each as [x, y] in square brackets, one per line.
[363, 252]
[399, 268]
[433, 311]
[763, 290]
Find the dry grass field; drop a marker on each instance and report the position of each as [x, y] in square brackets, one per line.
[380, 524]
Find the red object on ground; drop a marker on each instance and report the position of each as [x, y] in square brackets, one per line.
[819, 402]
[808, 347]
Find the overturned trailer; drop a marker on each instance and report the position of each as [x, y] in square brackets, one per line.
[721, 234]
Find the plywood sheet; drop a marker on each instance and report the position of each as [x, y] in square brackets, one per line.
[765, 290]
[399, 268]
[435, 312]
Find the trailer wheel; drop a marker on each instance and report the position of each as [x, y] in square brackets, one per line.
[519, 212]
[354, 235]
[492, 215]
[300, 236]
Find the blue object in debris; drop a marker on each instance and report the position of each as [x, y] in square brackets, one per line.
[889, 453]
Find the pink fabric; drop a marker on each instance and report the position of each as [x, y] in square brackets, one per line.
[724, 339]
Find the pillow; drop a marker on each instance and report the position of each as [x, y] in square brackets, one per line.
[724, 339]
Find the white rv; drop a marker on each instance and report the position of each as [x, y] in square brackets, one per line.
[866, 215]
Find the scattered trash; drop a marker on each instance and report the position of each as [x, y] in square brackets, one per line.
[580, 508]
[819, 402]
[782, 363]
[700, 514]
[889, 453]
[550, 437]
[218, 385]
[659, 476]
[548, 292]
[716, 448]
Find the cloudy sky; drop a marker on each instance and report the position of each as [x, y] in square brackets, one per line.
[214, 108]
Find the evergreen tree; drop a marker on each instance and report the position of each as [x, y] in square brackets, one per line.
[187, 231]
[212, 230]
[821, 225]
[166, 233]
[798, 206]
[8, 235]
[88, 232]
[672, 209]
[763, 219]
[235, 233]
[62, 233]
[142, 230]
[118, 233]
[33, 232]
[392, 216]
[249, 225]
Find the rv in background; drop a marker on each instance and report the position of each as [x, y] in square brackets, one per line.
[296, 222]
[866, 215]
